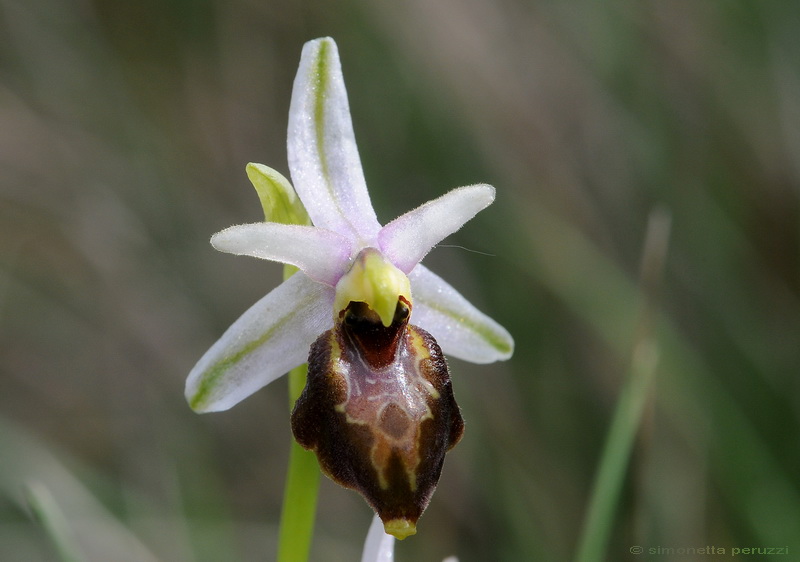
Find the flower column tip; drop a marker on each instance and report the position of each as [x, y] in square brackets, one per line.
[375, 281]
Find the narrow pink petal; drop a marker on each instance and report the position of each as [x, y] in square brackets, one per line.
[322, 254]
[462, 330]
[323, 157]
[273, 336]
[407, 239]
[379, 547]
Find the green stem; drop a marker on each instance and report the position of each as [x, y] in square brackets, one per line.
[300, 495]
[302, 482]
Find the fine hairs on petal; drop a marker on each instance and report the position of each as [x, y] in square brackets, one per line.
[323, 156]
[409, 237]
[323, 255]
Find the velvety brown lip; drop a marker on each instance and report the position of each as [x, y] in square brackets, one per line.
[378, 410]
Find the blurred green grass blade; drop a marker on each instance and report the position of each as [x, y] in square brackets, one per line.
[47, 512]
[101, 535]
[696, 398]
[633, 398]
[616, 454]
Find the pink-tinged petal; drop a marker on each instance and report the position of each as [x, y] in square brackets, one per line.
[407, 239]
[462, 330]
[379, 547]
[323, 157]
[268, 340]
[322, 254]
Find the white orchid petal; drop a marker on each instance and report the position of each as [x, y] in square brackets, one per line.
[379, 547]
[323, 157]
[407, 239]
[268, 340]
[321, 254]
[462, 330]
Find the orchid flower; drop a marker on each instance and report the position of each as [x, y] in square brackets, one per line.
[371, 321]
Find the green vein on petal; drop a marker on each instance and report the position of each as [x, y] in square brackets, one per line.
[212, 376]
[321, 85]
[496, 340]
[321, 81]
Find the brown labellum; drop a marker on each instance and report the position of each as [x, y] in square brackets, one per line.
[378, 410]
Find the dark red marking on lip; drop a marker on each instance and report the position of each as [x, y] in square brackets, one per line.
[376, 343]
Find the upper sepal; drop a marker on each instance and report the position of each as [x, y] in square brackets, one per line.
[323, 157]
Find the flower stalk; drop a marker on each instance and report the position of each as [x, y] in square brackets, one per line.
[300, 494]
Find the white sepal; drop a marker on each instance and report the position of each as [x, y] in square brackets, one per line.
[462, 330]
[268, 340]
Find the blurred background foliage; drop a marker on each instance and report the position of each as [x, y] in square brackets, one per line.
[124, 131]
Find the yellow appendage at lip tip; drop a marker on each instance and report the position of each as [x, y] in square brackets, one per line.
[400, 528]
[375, 281]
